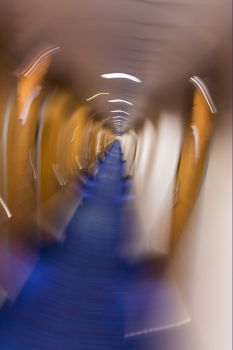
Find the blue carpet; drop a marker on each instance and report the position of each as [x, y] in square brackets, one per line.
[74, 298]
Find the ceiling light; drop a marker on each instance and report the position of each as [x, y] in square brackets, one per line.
[119, 100]
[118, 122]
[96, 95]
[120, 117]
[121, 76]
[119, 111]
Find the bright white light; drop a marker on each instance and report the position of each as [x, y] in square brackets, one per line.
[74, 134]
[24, 115]
[8, 213]
[57, 174]
[119, 111]
[121, 76]
[119, 117]
[44, 53]
[122, 124]
[32, 166]
[119, 100]
[119, 121]
[96, 95]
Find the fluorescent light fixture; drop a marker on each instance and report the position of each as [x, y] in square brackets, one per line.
[96, 95]
[120, 124]
[119, 121]
[119, 111]
[119, 117]
[121, 76]
[119, 100]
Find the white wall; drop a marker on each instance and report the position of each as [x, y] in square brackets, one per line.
[129, 146]
[155, 168]
[201, 264]
[202, 261]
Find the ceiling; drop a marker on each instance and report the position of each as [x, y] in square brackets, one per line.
[161, 42]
